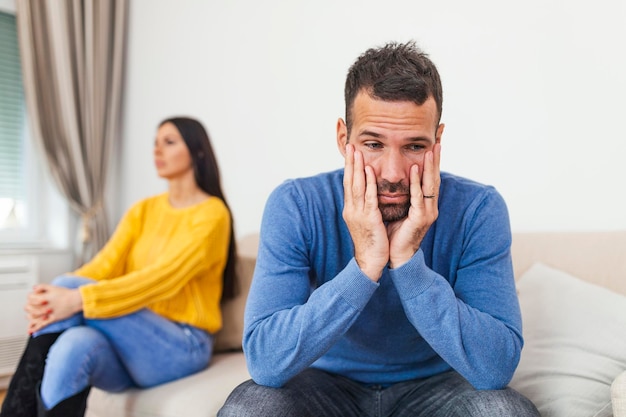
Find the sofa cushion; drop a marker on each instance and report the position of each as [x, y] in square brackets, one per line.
[575, 343]
[229, 337]
[198, 395]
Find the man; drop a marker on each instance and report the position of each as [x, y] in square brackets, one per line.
[385, 288]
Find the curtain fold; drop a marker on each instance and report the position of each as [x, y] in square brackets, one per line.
[72, 54]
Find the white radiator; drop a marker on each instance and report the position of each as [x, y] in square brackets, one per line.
[18, 274]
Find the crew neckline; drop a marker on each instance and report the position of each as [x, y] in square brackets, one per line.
[166, 201]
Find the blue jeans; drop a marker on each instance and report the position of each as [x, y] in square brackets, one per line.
[141, 349]
[315, 393]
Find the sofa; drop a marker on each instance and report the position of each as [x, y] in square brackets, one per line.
[572, 291]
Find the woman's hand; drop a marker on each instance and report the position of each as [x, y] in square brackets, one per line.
[47, 304]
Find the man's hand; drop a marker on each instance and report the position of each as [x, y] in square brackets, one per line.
[361, 214]
[47, 304]
[406, 235]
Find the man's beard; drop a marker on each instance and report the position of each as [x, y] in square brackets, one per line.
[393, 212]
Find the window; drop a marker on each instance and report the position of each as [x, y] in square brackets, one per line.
[13, 208]
[23, 188]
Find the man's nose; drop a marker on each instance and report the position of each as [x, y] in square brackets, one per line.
[392, 167]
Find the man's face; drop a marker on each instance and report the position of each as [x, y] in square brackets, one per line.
[393, 136]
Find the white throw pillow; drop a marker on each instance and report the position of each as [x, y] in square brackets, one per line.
[575, 343]
[618, 395]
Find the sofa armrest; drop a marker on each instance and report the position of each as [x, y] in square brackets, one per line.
[618, 395]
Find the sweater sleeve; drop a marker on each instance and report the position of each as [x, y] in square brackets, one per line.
[474, 325]
[287, 326]
[109, 261]
[186, 256]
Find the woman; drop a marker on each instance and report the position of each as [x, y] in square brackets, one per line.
[143, 311]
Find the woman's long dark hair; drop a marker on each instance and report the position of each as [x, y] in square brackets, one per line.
[207, 175]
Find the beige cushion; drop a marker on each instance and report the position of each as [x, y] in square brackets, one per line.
[229, 338]
[575, 343]
[199, 395]
[618, 395]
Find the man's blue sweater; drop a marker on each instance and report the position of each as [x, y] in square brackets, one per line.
[452, 306]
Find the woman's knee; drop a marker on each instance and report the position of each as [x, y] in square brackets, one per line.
[75, 361]
[71, 281]
[73, 349]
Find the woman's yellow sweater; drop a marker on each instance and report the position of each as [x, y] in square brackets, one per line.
[168, 260]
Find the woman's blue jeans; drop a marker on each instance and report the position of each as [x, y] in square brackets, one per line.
[141, 349]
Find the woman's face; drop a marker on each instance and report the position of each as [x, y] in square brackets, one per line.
[171, 155]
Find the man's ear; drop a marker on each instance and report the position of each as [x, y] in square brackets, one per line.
[342, 136]
[439, 133]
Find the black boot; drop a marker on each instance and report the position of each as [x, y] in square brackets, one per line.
[74, 406]
[21, 398]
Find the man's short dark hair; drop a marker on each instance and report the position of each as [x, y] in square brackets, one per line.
[393, 72]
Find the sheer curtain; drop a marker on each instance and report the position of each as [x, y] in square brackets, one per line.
[72, 54]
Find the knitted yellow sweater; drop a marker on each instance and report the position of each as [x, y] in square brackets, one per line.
[165, 259]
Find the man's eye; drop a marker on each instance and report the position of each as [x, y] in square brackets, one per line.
[415, 148]
[373, 145]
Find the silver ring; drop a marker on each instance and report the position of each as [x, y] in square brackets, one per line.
[430, 196]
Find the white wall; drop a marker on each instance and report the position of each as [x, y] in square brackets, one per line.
[534, 95]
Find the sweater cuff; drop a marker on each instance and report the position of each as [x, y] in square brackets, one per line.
[412, 278]
[358, 288]
[89, 304]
